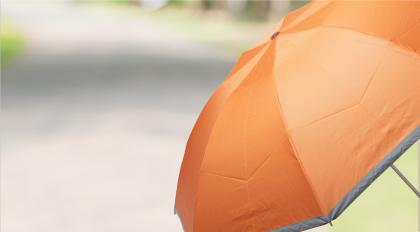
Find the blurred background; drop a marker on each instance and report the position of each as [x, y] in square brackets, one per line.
[98, 100]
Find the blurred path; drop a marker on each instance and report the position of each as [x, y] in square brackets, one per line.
[95, 118]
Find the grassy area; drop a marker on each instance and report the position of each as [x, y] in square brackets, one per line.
[11, 41]
[387, 205]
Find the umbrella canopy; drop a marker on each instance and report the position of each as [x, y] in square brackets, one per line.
[306, 120]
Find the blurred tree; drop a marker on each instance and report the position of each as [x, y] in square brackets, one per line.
[177, 3]
[236, 7]
[213, 4]
[207, 4]
[259, 9]
[279, 9]
[253, 10]
[294, 4]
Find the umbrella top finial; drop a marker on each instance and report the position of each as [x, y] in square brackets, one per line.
[274, 35]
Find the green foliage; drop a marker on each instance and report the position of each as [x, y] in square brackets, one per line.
[176, 3]
[207, 4]
[295, 4]
[11, 41]
[116, 2]
[255, 10]
[388, 204]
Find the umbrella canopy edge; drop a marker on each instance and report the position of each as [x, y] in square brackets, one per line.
[406, 143]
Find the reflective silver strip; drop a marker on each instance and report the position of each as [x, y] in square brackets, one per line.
[356, 191]
[406, 143]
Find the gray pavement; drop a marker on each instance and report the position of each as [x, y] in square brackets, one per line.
[95, 116]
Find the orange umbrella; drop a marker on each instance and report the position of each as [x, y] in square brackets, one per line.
[306, 120]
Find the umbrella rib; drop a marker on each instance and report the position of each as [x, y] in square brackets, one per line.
[406, 181]
[296, 154]
[215, 121]
[226, 177]
[380, 62]
[405, 32]
[235, 69]
[372, 36]
[305, 15]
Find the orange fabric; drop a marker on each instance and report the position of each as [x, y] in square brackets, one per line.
[302, 118]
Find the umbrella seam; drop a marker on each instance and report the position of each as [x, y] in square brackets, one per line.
[392, 40]
[260, 47]
[379, 65]
[263, 50]
[299, 19]
[291, 142]
[358, 189]
[380, 62]
[407, 49]
[234, 89]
